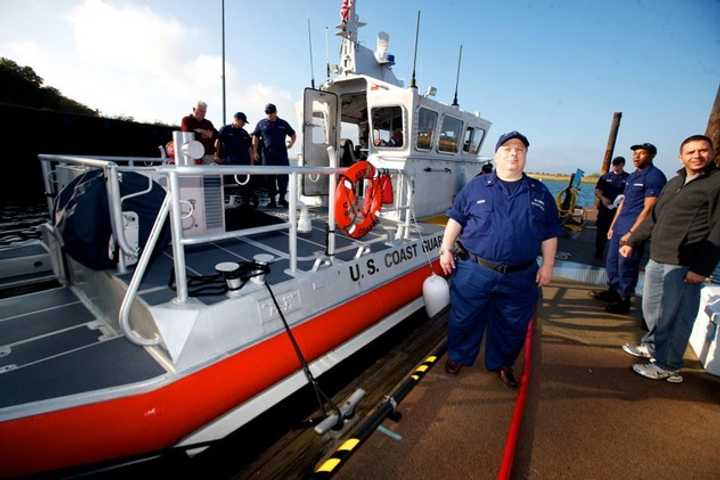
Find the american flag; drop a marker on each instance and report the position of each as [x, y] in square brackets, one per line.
[345, 10]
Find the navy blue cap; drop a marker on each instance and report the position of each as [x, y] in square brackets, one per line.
[270, 108]
[241, 116]
[509, 136]
[645, 146]
[618, 160]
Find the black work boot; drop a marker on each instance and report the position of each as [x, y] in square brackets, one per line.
[620, 307]
[609, 295]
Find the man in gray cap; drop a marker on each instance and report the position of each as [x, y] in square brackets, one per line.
[273, 131]
[501, 221]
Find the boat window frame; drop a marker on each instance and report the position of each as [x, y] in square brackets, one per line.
[457, 143]
[433, 131]
[403, 119]
[475, 129]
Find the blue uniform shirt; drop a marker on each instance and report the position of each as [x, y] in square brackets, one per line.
[236, 143]
[273, 135]
[641, 184]
[501, 226]
[612, 185]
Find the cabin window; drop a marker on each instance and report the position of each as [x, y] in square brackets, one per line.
[427, 119]
[450, 134]
[473, 139]
[319, 129]
[387, 127]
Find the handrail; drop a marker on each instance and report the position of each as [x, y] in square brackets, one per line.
[130, 160]
[113, 192]
[130, 294]
[247, 169]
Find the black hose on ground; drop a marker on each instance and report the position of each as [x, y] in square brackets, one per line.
[388, 408]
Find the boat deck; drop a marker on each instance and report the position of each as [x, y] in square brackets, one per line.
[46, 335]
[24, 264]
[588, 415]
[201, 259]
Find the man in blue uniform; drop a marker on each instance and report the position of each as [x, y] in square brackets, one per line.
[608, 187]
[234, 147]
[641, 191]
[503, 221]
[273, 131]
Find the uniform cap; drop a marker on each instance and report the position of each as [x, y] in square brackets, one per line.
[270, 108]
[645, 146]
[509, 136]
[241, 116]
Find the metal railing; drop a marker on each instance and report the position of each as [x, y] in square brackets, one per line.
[110, 170]
[171, 207]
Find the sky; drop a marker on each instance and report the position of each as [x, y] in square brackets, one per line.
[554, 70]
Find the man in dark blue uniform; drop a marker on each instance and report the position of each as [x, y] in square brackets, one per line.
[273, 131]
[641, 191]
[608, 187]
[234, 147]
[503, 221]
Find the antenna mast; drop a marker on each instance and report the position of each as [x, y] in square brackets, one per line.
[223, 60]
[312, 70]
[417, 31]
[327, 54]
[457, 79]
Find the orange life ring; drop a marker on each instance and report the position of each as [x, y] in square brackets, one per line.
[358, 222]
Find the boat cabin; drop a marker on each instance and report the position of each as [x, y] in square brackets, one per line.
[365, 113]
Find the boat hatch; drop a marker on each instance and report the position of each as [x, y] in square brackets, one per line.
[320, 110]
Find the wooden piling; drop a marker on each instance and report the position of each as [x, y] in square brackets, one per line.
[713, 127]
[611, 142]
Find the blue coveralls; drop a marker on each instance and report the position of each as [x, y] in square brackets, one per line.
[622, 271]
[610, 185]
[273, 135]
[503, 227]
[236, 145]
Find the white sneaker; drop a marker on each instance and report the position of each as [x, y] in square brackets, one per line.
[642, 350]
[655, 372]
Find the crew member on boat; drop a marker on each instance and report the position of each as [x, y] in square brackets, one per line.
[503, 221]
[273, 131]
[685, 231]
[641, 191]
[607, 189]
[204, 130]
[234, 147]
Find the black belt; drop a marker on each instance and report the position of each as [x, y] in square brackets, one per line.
[498, 267]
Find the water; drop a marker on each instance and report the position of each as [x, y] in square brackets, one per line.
[587, 191]
[21, 222]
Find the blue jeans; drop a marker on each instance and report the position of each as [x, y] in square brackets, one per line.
[622, 272]
[670, 307]
[483, 298]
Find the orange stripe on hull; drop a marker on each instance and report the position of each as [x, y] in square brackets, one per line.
[158, 419]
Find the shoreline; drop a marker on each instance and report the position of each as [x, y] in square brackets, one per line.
[561, 178]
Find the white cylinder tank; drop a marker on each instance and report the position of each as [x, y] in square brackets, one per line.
[436, 293]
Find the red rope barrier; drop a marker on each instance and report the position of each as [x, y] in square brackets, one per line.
[516, 422]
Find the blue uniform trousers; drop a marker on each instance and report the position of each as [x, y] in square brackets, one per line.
[622, 272]
[483, 298]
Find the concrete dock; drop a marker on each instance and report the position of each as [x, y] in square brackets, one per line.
[588, 415]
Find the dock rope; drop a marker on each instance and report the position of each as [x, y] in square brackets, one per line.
[323, 399]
